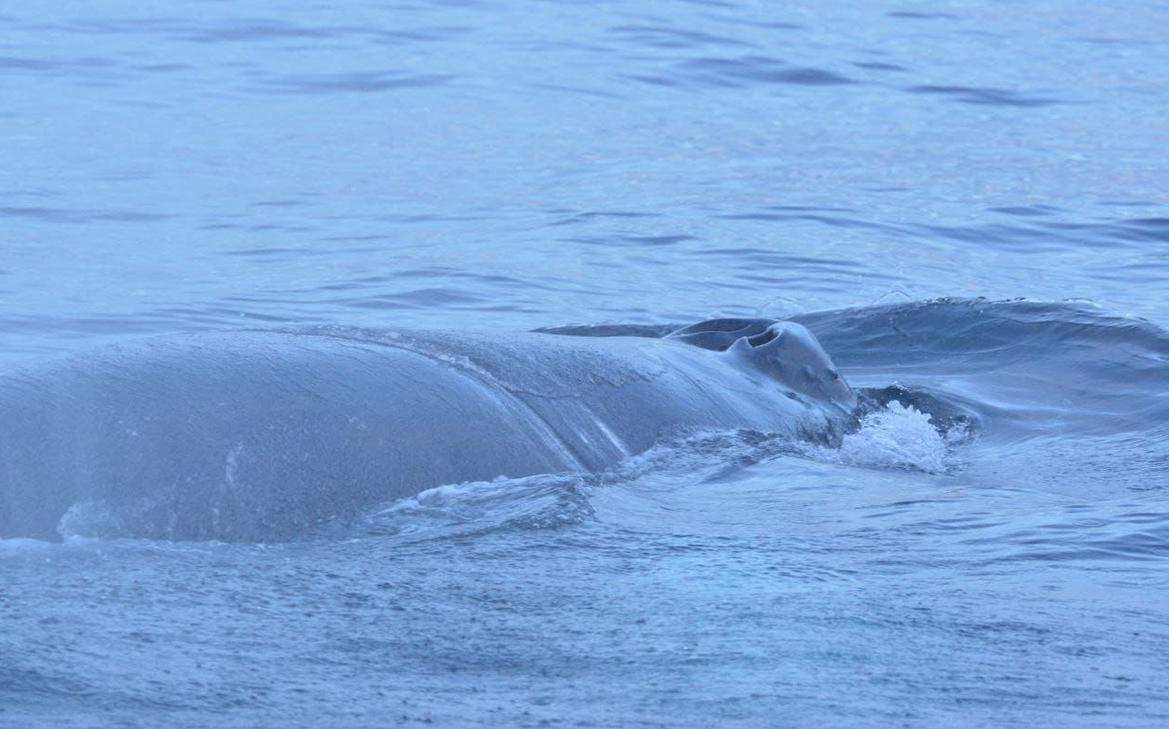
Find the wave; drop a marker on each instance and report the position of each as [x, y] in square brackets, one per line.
[1025, 368]
[534, 502]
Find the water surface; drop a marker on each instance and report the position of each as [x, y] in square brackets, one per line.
[512, 165]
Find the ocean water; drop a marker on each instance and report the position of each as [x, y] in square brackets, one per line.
[966, 202]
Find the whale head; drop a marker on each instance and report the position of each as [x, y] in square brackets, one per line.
[784, 351]
[790, 355]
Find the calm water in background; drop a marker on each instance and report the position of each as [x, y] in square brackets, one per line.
[209, 165]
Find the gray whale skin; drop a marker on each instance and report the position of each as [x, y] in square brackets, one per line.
[259, 436]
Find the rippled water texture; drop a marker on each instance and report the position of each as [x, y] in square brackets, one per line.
[966, 202]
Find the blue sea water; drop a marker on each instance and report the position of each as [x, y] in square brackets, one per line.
[967, 202]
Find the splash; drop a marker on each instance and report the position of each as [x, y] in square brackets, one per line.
[91, 519]
[896, 436]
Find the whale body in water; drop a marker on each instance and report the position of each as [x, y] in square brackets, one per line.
[260, 435]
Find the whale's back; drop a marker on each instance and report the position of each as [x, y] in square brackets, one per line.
[248, 436]
[262, 435]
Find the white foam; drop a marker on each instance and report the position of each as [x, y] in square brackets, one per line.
[894, 437]
[541, 501]
[27, 545]
[20, 545]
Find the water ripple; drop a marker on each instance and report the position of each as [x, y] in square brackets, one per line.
[62, 215]
[669, 37]
[749, 70]
[879, 66]
[364, 82]
[914, 15]
[985, 96]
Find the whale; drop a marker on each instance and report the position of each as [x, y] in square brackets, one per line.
[263, 435]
